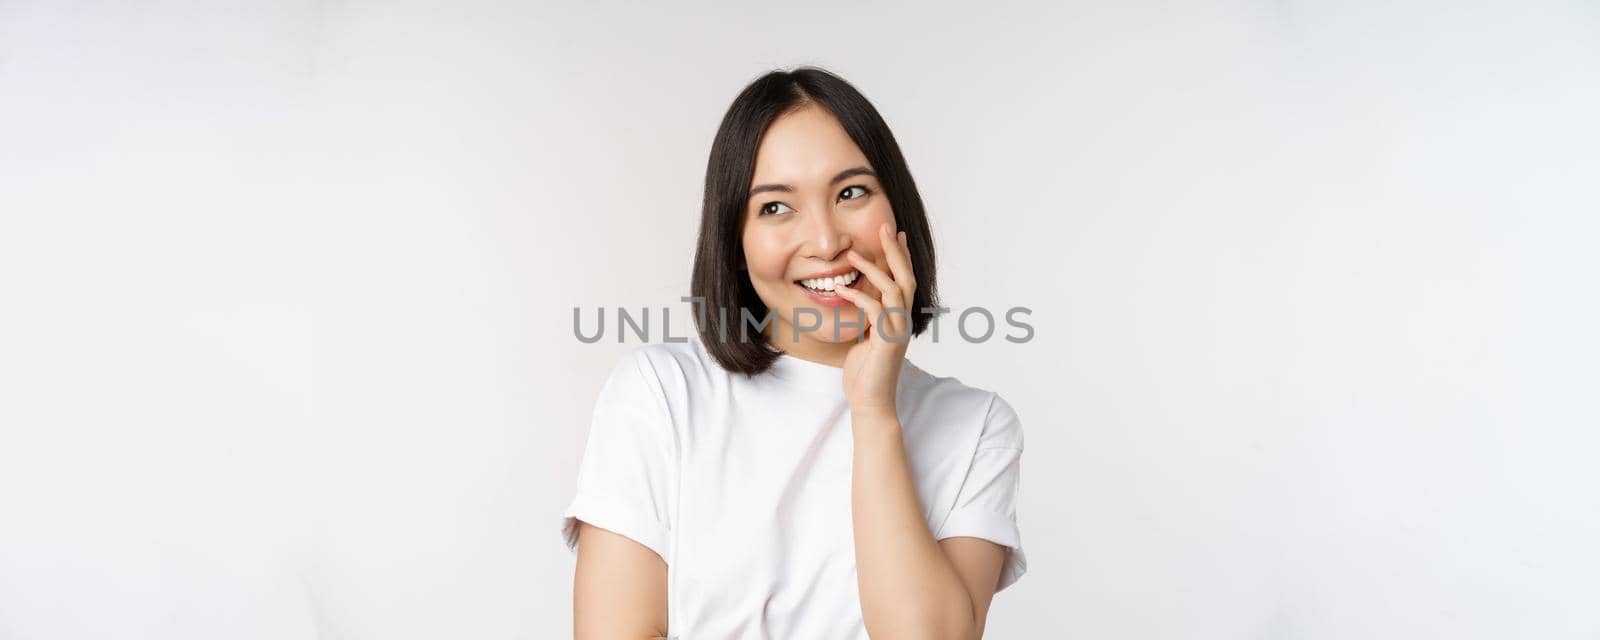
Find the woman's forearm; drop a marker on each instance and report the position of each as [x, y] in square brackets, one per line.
[909, 588]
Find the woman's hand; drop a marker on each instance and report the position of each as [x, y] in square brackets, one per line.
[872, 367]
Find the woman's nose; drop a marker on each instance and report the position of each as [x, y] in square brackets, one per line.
[826, 236]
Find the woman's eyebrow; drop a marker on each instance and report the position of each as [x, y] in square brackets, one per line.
[841, 177]
[851, 172]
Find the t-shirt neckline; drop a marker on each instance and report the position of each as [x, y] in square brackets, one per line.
[811, 374]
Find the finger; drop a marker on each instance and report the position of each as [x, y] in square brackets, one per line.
[895, 306]
[899, 262]
[911, 270]
[869, 307]
[897, 322]
[890, 293]
[880, 279]
[896, 310]
[890, 325]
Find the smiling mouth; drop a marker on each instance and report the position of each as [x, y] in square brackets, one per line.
[826, 286]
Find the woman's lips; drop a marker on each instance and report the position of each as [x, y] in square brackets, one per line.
[828, 298]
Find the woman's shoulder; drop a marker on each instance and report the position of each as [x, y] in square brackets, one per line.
[949, 395]
[669, 366]
[686, 357]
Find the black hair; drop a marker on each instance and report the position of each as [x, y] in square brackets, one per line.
[720, 281]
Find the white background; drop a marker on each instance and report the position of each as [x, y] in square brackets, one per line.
[286, 299]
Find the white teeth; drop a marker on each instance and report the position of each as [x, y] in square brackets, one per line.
[829, 284]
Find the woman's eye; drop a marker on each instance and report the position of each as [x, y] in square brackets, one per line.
[857, 189]
[771, 208]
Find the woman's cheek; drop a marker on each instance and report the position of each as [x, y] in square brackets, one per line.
[765, 261]
[866, 229]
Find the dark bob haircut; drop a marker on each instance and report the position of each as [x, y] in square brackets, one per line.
[721, 282]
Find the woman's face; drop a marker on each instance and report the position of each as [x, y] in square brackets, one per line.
[813, 198]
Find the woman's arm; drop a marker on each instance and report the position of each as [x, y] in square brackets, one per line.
[619, 590]
[911, 586]
[979, 562]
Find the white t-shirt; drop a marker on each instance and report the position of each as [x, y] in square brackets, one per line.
[742, 484]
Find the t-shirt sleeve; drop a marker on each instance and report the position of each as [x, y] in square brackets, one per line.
[986, 505]
[623, 479]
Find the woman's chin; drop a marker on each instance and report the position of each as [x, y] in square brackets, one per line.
[847, 328]
[844, 334]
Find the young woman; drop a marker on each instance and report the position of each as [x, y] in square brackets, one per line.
[787, 473]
